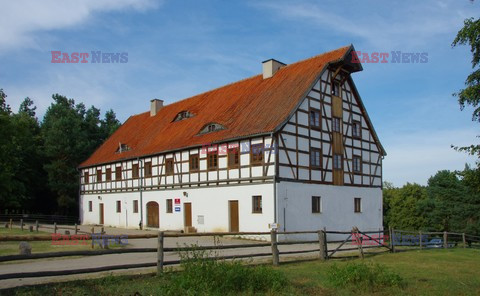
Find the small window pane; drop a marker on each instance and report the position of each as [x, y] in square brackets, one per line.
[316, 207]
[257, 204]
[119, 206]
[337, 161]
[135, 206]
[169, 206]
[358, 204]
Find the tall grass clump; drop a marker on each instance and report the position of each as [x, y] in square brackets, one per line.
[363, 276]
[203, 274]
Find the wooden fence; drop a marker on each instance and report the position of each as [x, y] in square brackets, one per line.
[352, 243]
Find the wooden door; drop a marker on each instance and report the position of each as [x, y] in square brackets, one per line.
[102, 214]
[187, 207]
[152, 214]
[233, 213]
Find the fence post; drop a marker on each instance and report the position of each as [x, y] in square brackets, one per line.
[325, 240]
[421, 245]
[11, 222]
[36, 225]
[102, 231]
[359, 242]
[21, 224]
[93, 231]
[160, 253]
[321, 242]
[76, 229]
[392, 242]
[54, 227]
[445, 240]
[464, 240]
[275, 258]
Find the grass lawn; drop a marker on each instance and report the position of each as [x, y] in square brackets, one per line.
[427, 272]
[11, 248]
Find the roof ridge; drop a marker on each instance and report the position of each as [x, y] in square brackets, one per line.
[251, 77]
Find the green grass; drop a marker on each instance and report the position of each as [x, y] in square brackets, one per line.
[427, 272]
[11, 248]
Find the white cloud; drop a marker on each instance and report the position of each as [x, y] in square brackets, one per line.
[406, 25]
[22, 19]
[414, 157]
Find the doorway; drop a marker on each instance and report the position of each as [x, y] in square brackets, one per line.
[152, 214]
[188, 214]
[102, 214]
[233, 214]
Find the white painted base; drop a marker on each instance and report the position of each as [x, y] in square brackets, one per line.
[209, 202]
[337, 208]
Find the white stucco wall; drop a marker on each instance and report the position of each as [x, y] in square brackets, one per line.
[337, 204]
[209, 202]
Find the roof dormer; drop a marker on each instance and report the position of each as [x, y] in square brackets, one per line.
[211, 127]
[183, 115]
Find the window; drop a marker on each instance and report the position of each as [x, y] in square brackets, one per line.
[336, 88]
[86, 178]
[316, 206]
[90, 206]
[357, 129]
[337, 161]
[99, 176]
[118, 173]
[358, 204]
[169, 206]
[135, 171]
[119, 206]
[194, 163]
[336, 125]
[122, 148]
[233, 157]
[357, 164]
[315, 157]
[257, 204]
[211, 127]
[108, 175]
[169, 166]
[315, 119]
[256, 154]
[212, 160]
[183, 115]
[135, 206]
[148, 169]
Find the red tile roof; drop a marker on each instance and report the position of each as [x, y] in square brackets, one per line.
[247, 107]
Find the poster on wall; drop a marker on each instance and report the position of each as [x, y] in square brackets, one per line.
[177, 201]
[177, 209]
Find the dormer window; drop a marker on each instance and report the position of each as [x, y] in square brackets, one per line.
[183, 115]
[211, 127]
[122, 148]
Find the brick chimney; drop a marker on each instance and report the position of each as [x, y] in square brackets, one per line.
[155, 106]
[270, 67]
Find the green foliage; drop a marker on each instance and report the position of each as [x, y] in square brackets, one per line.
[363, 276]
[402, 206]
[450, 202]
[38, 160]
[470, 95]
[203, 276]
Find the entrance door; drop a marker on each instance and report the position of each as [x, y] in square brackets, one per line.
[152, 214]
[188, 214]
[102, 214]
[233, 213]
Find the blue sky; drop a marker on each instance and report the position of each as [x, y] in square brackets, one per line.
[180, 48]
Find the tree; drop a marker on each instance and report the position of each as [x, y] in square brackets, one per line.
[65, 141]
[470, 95]
[402, 204]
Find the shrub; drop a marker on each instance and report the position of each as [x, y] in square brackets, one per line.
[204, 275]
[363, 276]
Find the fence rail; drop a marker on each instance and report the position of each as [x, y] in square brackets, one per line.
[355, 242]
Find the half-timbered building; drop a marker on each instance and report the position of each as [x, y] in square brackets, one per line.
[293, 146]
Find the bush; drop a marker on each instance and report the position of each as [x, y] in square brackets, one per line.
[203, 276]
[363, 276]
